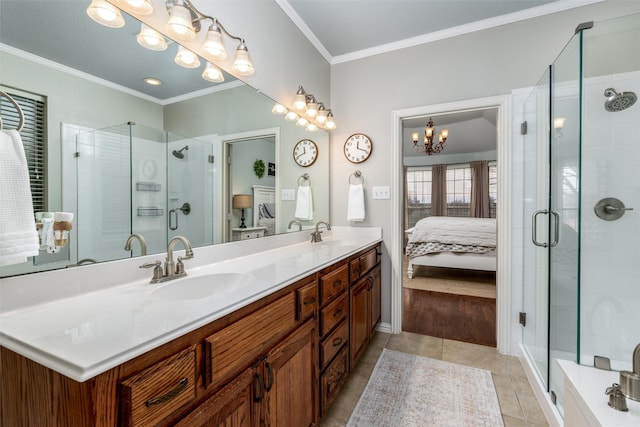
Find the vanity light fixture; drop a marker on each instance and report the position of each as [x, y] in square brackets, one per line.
[186, 58]
[152, 81]
[184, 24]
[558, 124]
[105, 13]
[212, 73]
[307, 112]
[151, 39]
[428, 146]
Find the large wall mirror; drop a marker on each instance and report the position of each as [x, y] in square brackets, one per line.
[127, 157]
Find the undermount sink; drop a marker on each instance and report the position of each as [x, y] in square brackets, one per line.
[198, 287]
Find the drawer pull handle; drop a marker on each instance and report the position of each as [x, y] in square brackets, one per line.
[260, 388]
[309, 300]
[337, 341]
[269, 377]
[337, 313]
[356, 271]
[170, 395]
[337, 283]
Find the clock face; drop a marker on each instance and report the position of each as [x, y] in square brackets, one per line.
[305, 152]
[358, 147]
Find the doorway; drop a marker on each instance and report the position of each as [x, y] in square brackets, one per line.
[503, 152]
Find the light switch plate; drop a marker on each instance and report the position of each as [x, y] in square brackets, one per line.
[381, 192]
[288, 194]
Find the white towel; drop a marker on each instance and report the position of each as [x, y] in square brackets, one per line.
[304, 203]
[18, 235]
[355, 204]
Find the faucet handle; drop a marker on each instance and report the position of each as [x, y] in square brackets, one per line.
[180, 264]
[157, 269]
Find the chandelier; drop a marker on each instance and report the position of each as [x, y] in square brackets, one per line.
[184, 25]
[428, 145]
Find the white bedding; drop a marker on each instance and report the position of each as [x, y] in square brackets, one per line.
[455, 231]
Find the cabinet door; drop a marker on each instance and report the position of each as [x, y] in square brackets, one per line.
[233, 406]
[290, 380]
[360, 316]
[376, 289]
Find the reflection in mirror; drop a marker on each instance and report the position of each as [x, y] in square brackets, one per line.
[92, 90]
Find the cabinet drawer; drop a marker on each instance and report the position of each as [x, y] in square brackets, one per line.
[333, 343]
[362, 264]
[153, 394]
[307, 301]
[333, 378]
[332, 314]
[334, 283]
[234, 348]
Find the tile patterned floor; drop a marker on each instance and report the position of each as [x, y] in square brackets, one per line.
[518, 405]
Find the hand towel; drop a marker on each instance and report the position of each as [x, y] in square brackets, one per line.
[304, 203]
[18, 235]
[355, 204]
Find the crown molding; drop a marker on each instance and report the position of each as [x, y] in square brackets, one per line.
[302, 26]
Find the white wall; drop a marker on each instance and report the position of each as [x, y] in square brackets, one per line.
[482, 64]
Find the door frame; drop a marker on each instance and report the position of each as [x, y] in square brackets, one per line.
[503, 149]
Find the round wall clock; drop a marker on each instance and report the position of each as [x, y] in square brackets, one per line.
[358, 148]
[305, 152]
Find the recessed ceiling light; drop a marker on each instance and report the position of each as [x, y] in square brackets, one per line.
[152, 81]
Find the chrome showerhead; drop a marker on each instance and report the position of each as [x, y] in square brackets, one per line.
[178, 153]
[618, 101]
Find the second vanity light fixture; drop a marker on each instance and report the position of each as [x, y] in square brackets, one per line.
[307, 112]
[184, 22]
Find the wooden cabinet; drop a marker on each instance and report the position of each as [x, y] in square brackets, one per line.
[279, 361]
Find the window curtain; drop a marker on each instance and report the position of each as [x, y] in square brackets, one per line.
[479, 189]
[405, 208]
[439, 190]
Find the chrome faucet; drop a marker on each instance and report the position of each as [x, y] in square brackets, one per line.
[316, 236]
[294, 221]
[143, 243]
[171, 269]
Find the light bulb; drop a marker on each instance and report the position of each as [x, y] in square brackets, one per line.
[322, 114]
[414, 137]
[242, 63]
[330, 124]
[214, 44]
[311, 127]
[186, 58]
[143, 7]
[279, 109]
[151, 39]
[179, 24]
[212, 73]
[302, 122]
[312, 107]
[300, 102]
[291, 116]
[105, 13]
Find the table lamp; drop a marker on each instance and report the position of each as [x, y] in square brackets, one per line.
[242, 201]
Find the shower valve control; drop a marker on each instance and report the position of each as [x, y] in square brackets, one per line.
[610, 209]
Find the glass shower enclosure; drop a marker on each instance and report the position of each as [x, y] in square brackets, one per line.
[136, 179]
[581, 181]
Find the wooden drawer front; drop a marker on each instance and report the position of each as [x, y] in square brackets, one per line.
[333, 343]
[368, 260]
[307, 301]
[334, 283]
[237, 346]
[332, 314]
[153, 394]
[333, 378]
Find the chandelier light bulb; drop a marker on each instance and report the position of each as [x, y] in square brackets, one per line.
[186, 58]
[179, 24]
[242, 64]
[105, 13]
[151, 39]
[214, 45]
[212, 73]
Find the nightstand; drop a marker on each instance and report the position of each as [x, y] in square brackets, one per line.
[247, 233]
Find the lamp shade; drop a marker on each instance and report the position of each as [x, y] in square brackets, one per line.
[242, 64]
[151, 39]
[186, 58]
[105, 13]
[179, 24]
[242, 201]
[213, 44]
[212, 73]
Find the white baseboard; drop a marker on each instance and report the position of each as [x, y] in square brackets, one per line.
[384, 327]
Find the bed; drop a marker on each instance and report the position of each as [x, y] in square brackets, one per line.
[452, 242]
[264, 208]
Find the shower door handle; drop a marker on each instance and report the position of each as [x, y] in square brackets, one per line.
[534, 228]
[556, 229]
[171, 226]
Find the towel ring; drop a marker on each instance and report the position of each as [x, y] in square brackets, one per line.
[15, 104]
[304, 178]
[357, 174]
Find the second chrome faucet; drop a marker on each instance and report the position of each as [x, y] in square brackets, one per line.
[172, 270]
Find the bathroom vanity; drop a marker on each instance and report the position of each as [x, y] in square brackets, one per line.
[271, 343]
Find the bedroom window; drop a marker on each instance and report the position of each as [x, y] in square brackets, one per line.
[493, 188]
[33, 138]
[458, 190]
[418, 194]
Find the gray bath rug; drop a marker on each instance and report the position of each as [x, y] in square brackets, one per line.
[408, 390]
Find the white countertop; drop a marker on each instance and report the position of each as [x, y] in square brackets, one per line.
[82, 334]
[587, 385]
